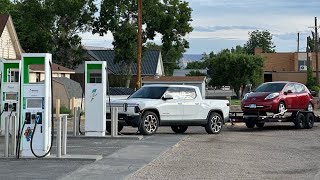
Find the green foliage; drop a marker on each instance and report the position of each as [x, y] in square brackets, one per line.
[311, 80]
[235, 69]
[196, 73]
[262, 39]
[63, 110]
[196, 65]
[310, 42]
[53, 26]
[170, 18]
[5, 6]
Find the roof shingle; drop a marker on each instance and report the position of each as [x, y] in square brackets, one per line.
[175, 78]
[55, 67]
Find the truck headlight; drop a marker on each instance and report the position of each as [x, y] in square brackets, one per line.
[271, 96]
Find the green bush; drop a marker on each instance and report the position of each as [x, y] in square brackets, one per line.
[315, 88]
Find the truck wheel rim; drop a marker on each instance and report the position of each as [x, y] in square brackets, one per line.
[216, 123]
[310, 108]
[150, 123]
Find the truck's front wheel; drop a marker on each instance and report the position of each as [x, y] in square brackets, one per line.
[214, 124]
[149, 123]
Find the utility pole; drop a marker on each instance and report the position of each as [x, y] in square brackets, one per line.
[139, 46]
[298, 41]
[316, 48]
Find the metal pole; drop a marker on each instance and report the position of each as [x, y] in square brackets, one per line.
[14, 136]
[114, 122]
[75, 115]
[6, 144]
[64, 136]
[316, 49]
[59, 137]
[78, 120]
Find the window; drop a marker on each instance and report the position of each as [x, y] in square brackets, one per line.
[299, 88]
[188, 93]
[174, 92]
[38, 75]
[290, 87]
[13, 75]
[95, 78]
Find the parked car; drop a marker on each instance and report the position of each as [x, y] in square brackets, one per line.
[178, 106]
[278, 97]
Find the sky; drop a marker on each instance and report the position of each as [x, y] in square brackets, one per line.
[220, 24]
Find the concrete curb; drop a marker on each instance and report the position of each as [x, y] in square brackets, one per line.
[63, 158]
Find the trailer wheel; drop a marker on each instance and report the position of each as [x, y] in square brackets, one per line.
[309, 120]
[260, 125]
[300, 121]
[250, 125]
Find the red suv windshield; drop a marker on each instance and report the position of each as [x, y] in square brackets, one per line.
[270, 87]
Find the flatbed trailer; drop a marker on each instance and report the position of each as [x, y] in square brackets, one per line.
[301, 119]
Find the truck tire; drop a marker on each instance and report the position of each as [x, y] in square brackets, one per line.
[214, 124]
[260, 125]
[300, 121]
[108, 127]
[149, 123]
[179, 129]
[250, 125]
[309, 120]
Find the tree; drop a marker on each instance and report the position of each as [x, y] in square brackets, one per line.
[5, 6]
[196, 65]
[196, 73]
[170, 18]
[53, 26]
[310, 42]
[262, 39]
[236, 70]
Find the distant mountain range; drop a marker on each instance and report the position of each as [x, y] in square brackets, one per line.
[192, 57]
[189, 58]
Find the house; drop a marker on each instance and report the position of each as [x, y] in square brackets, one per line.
[286, 66]
[184, 72]
[152, 64]
[10, 47]
[36, 72]
[199, 81]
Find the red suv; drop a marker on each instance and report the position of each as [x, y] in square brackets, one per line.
[277, 97]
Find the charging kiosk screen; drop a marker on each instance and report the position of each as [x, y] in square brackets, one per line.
[34, 103]
[11, 97]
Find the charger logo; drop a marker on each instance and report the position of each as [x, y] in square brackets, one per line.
[93, 94]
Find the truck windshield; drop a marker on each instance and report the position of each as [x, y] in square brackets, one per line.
[270, 87]
[149, 92]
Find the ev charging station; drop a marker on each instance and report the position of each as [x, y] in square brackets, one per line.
[36, 107]
[10, 88]
[95, 98]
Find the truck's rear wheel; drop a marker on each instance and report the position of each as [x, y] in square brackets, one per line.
[179, 129]
[149, 123]
[214, 124]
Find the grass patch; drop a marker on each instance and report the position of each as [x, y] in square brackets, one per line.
[235, 102]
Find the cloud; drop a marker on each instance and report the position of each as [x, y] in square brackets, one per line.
[217, 28]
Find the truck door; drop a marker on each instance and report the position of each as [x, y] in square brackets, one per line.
[171, 109]
[191, 106]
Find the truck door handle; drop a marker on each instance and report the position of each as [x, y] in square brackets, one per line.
[179, 103]
[197, 103]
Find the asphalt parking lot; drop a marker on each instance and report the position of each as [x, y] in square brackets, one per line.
[277, 151]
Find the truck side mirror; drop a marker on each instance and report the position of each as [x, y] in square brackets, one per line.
[167, 96]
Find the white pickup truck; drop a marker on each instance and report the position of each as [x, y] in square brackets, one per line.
[178, 106]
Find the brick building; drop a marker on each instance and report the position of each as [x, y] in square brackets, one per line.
[288, 66]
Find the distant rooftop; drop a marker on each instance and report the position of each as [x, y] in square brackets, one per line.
[175, 78]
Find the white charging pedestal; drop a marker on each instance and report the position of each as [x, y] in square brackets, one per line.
[36, 105]
[95, 98]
